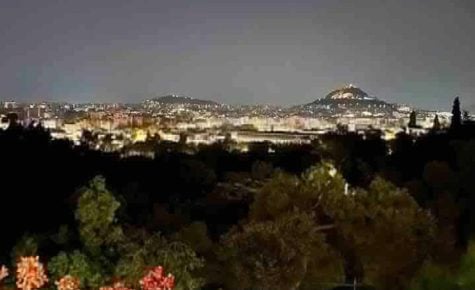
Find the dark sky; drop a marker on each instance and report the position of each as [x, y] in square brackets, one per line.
[420, 52]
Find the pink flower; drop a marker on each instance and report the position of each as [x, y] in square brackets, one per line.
[155, 280]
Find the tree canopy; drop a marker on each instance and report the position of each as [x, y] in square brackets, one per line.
[295, 218]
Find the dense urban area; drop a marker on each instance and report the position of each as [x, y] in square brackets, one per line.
[125, 127]
[347, 192]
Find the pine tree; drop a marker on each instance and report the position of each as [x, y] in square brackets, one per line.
[436, 126]
[456, 114]
[95, 214]
[413, 120]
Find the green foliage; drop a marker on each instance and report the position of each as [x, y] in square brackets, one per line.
[274, 198]
[282, 245]
[320, 187]
[275, 254]
[196, 236]
[78, 265]
[63, 236]
[218, 268]
[147, 252]
[437, 277]
[434, 277]
[442, 183]
[381, 231]
[466, 273]
[109, 251]
[96, 216]
[26, 246]
[301, 233]
[394, 235]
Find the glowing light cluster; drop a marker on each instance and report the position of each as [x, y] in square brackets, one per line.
[30, 273]
[156, 280]
[3, 273]
[68, 282]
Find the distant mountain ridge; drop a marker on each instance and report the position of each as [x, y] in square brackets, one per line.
[176, 99]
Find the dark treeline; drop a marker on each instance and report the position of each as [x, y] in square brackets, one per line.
[40, 177]
[221, 188]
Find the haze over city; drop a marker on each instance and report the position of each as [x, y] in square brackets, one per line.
[239, 52]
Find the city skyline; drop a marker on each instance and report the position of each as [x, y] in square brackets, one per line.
[280, 53]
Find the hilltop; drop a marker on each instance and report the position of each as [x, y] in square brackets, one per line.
[349, 100]
[176, 99]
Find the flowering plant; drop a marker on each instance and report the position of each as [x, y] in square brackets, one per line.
[30, 273]
[68, 282]
[3, 272]
[116, 286]
[156, 280]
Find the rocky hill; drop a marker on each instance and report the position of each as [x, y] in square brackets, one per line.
[349, 100]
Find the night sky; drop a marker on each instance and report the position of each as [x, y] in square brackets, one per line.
[419, 52]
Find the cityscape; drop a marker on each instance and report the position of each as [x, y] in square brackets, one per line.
[237, 145]
[176, 118]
